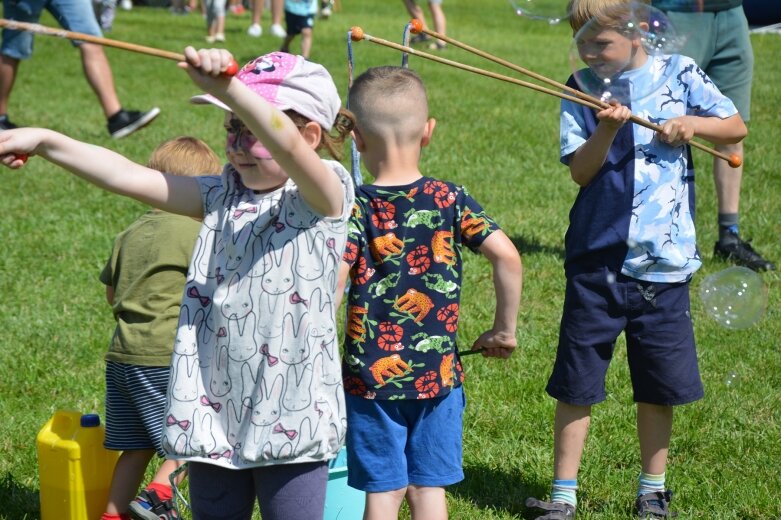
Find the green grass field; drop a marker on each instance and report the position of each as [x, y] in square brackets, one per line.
[499, 140]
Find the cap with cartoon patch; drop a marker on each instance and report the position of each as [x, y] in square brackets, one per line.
[288, 82]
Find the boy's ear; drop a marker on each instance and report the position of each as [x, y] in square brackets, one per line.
[428, 130]
[360, 144]
[312, 133]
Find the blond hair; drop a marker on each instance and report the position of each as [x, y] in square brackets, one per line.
[186, 156]
[389, 103]
[609, 14]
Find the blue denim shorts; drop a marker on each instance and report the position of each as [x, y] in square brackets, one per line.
[394, 443]
[656, 321]
[72, 15]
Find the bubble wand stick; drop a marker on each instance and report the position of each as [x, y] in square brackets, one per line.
[232, 69]
[579, 97]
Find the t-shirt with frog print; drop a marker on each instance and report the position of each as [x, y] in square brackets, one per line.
[404, 250]
[255, 375]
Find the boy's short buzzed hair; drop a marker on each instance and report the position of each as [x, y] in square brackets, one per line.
[608, 13]
[389, 101]
[185, 156]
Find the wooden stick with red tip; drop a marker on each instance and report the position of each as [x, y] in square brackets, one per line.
[416, 27]
[232, 69]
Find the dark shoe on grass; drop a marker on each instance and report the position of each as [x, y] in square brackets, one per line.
[654, 505]
[551, 510]
[742, 253]
[125, 122]
[6, 124]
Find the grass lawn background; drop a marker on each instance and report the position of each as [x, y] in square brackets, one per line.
[499, 140]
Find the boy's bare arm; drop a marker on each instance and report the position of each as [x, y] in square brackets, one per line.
[680, 130]
[500, 341]
[587, 160]
[104, 168]
[320, 187]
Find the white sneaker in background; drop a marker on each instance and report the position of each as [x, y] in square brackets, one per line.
[278, 31]
[255, 30]
[326, 12]
[219, 37]
[127, 5]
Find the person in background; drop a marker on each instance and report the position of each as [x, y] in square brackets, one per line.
[77, 16]
[145, 278]
[438, 17]
[300, 19]
[722, 48]
[277, 9]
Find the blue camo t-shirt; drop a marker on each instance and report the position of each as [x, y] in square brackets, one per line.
[404, 248]
[637, 214]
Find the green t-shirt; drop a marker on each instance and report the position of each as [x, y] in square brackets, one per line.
[148, 270]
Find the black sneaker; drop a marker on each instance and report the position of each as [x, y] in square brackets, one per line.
[742, 253]
[551, 510]
[654, 505]
[125, 122]
[6, 124]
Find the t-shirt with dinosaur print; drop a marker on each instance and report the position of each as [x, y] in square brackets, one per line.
[404, 250]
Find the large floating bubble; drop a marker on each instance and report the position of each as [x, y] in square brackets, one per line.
[551, 11]
[735, 297]
[619, 54]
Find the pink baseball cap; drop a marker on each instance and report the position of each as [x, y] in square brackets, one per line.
[288, 82]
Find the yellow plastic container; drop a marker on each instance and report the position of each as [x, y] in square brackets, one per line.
[74, 468]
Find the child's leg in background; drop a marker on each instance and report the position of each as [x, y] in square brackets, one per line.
[438, 16]
[128, 474]
[384, 505]
[257, 11]
[306, 42]
[427, 503]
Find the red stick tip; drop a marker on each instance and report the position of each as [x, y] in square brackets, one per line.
[415, 26]
[232, 69]
[356, 33]
[735, 160]
[22, 157]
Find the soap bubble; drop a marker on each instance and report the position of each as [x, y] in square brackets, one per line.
[735, 297]
[732, 379]
[551, 11]
[606, 55]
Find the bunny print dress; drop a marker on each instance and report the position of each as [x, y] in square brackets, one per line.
[255, 373]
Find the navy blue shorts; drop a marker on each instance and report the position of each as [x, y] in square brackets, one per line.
[656, 320]
[394, 443]
[296, 23]
[135, 406]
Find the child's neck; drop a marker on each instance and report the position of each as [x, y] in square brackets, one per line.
[638, 60]
[393, 169]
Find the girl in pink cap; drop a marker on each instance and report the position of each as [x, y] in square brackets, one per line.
[255, 401]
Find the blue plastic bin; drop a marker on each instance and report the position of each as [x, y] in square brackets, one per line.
[341, 501]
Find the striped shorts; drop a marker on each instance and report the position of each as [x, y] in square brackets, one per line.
[135, 405]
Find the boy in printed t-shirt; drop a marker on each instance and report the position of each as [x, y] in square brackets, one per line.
[402, 372]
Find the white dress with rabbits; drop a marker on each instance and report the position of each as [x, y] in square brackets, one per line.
[255, 373]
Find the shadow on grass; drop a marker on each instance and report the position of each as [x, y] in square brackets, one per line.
[530, 245]
[17, 501]
[498, 490]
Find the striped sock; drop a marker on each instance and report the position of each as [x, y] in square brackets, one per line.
[650, 483]
[565, 491]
